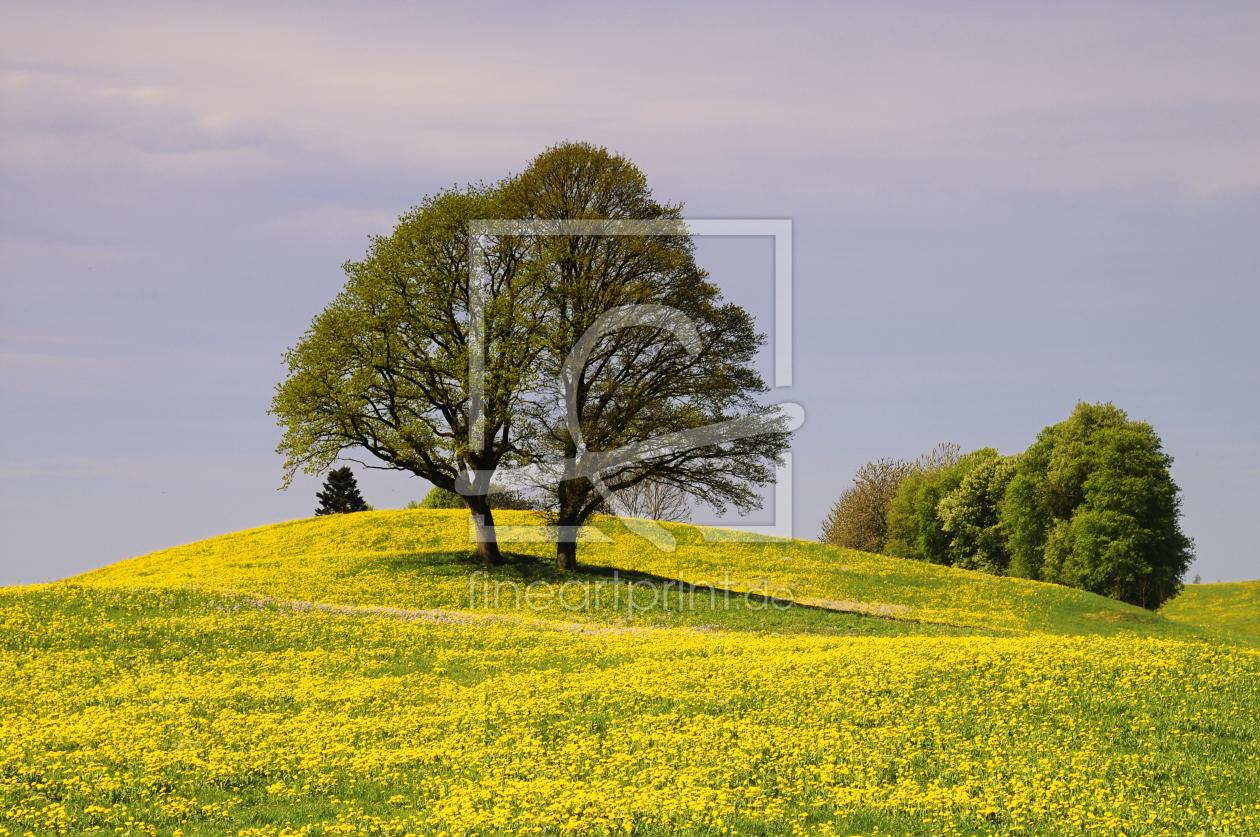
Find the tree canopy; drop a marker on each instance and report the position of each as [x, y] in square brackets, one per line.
[499, 497]
[865, 515]
[859, 519]
[1093, 505]
[643, 361]
[915, 529]
[601, 360]
[970, 513]
[653, 501]
[385, 368]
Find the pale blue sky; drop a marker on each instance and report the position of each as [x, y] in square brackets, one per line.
[999, 210]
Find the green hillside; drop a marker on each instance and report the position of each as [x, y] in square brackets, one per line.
[422, 559]
[1234, 606]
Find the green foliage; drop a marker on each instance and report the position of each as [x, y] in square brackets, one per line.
[385, 366]
[440, 498]
[1092, 505]
[969, 514]
[341, 494]
[391, 366]
[949, 514]
[499, 498]
[915, 530]
[676, 372]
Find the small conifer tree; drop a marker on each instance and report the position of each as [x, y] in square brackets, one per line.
[341, 494]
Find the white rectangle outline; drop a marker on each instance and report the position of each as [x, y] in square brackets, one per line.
[778, 228]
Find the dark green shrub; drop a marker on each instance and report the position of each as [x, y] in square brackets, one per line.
[341, 494]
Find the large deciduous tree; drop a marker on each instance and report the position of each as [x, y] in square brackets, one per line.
[970, 513]
[385, 367]
[1093, 505]
[606, 359]
[915, 529]
[653, 501]
[646, 372]
[949, 514]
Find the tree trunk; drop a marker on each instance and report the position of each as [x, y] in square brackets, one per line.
[570, 496]
[566, 554]
[487, 544]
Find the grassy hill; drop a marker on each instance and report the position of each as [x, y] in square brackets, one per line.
[1234, 606]
[419, 560]
[330, 676]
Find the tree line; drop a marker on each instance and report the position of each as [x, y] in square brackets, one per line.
[1091, 505]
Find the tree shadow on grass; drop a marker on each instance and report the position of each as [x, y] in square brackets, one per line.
[721, 608]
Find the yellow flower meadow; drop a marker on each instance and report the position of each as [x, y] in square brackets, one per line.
[316, 700]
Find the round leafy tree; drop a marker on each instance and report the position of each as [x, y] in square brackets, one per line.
[1093, 505]
[487, 332]
[946, 511]
[498, 498]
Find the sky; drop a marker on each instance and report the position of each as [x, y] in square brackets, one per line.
[998, 210]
